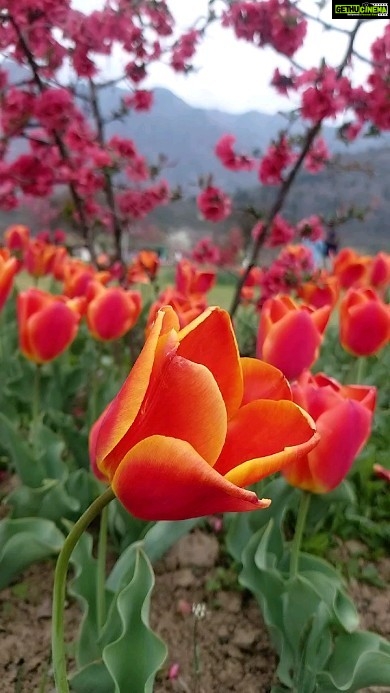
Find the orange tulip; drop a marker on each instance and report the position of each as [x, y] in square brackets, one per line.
[47, 324]
[77, 277]
[350, 268]
[39, 257]
[187, 308]
[111, 312]
[323, 290]
[364, 322]
[343, 415]
[190, 280]
[290, 334]
[144, 268]
[194, 424]
[8, 269]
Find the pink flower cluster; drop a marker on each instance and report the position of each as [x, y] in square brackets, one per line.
[277, 23]
[293, 266]
[279, 156]
[214, 204]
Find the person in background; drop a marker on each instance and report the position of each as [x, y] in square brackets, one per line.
[331, 246]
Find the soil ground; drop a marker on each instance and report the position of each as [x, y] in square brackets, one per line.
[233, 651]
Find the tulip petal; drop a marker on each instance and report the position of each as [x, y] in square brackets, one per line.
[261, 429]
[121, 412]
[182, 401]
[201, 342]
[165, 479]
[343, 430]
[263, 381]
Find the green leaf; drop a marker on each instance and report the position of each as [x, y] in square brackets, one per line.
[49, 500]
[83, 586]
[51, 448]
[94, 678]
[26, 541]
[134, 653]
[358, 660]
[30, 471]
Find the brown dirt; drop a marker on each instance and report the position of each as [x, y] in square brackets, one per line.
[234, 654]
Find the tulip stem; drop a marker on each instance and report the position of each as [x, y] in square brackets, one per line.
[304, 504]
[101, 570]
[35, 409]
[360, 370]
[58, 644]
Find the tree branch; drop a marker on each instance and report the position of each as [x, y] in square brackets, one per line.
[287, 183]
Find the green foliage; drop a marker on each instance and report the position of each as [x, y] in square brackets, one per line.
[311, 620]
[127, 649]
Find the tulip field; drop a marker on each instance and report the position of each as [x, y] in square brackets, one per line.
[133, 405]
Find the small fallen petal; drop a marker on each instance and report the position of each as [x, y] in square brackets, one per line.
[184, 608]
[174, 671]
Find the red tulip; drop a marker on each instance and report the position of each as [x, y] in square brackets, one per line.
[8, 269]
[16, 237]
[290, 334]
[343, 415]
[379, 271]
[47, 324]
[364, 322]
[111, 312]
[194, 424]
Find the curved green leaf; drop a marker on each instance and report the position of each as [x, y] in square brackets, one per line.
[94, 678]
[358, 660]
[26, 541]
[134, 653]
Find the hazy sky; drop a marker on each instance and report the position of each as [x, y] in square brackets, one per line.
[233, 75]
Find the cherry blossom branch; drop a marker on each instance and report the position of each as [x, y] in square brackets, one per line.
[77, 200]
[287, 183]
[108, 185]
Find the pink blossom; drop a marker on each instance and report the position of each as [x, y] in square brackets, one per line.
[281, 232]
[311, 228]
[227, 156]
[140, 100]
[214, 204]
